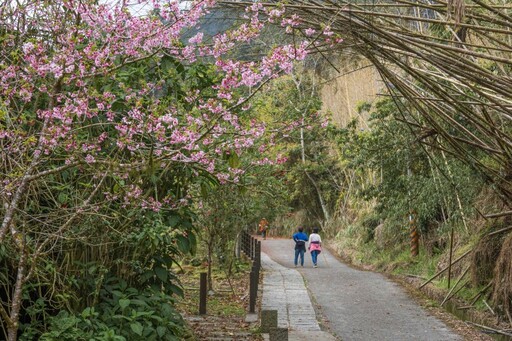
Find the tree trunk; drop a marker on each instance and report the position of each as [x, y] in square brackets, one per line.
[22, 186]
[12, 329]
[325, 211]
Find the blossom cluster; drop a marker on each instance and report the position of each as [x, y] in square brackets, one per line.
[71, 76]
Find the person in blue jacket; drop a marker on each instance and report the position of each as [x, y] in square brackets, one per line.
[300, 239]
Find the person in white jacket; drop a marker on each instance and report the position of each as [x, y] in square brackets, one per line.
[315, 246]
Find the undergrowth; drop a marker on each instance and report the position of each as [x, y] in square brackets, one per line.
[226, 307]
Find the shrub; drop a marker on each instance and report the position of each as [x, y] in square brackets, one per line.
[124, 313]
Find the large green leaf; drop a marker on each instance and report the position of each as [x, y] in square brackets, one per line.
[137, 328]
[124, 302]
[161, 331]
[183, 244]
[161, 273]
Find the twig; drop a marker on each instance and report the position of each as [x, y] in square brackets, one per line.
[445, 268]
[489, 307]
[5, 317]
[500, 231]
[478, 294]
[456, 291]
[497, 331]
[449, 295]
[464, 307]
[497, 215]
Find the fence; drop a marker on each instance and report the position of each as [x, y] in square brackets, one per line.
[252, 249]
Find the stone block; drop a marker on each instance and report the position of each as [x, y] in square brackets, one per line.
[278, 334]
[268, 320]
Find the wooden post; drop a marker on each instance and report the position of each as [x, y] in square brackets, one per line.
[244, 242]
[257, 258]
[450, 259]
[415, 241]
[253, 290]
[247, 244]
[202, 294]
[254, 243]
[251, 247]
[256, 270]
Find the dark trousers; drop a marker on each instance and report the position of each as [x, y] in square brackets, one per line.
[299, 253]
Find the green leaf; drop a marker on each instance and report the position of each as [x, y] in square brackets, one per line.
[161, 273]
[145, 276]
[204, 190]
[168, 260]
[124, 302]
[116, 188]
[166, 310]
[161, 331]
[137, 328]
[234, 160]
[172, 221]
[183, 244]
[120, 317]
[177, 290]
[62, 197]
[193, 243]
[65, 175]
[88, 312]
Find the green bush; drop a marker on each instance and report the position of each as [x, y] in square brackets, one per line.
[124, 313]
[370, 223]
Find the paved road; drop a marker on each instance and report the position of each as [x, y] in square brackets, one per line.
[357, 305]
[284, 290]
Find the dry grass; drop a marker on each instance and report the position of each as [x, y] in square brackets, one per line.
[502, 294]
[483, 260]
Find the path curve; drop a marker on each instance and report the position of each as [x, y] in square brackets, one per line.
[358, 305]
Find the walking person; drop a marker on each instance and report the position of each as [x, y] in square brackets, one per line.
[263, 226]
[300, 239]
[315, 246]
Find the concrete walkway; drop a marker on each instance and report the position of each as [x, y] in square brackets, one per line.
[284, 290]
[353, 304]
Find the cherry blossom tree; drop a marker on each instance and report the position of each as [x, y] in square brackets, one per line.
[99, 103]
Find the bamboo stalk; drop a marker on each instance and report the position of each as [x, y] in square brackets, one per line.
[444, 269]
[480, 293]
[443, 74]
[448, 296]
[500, 231]
[465, 307]
[459, 203]
[459, 289]
[497, 331]
[497, 215]
[489, 307]
[450, 258]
